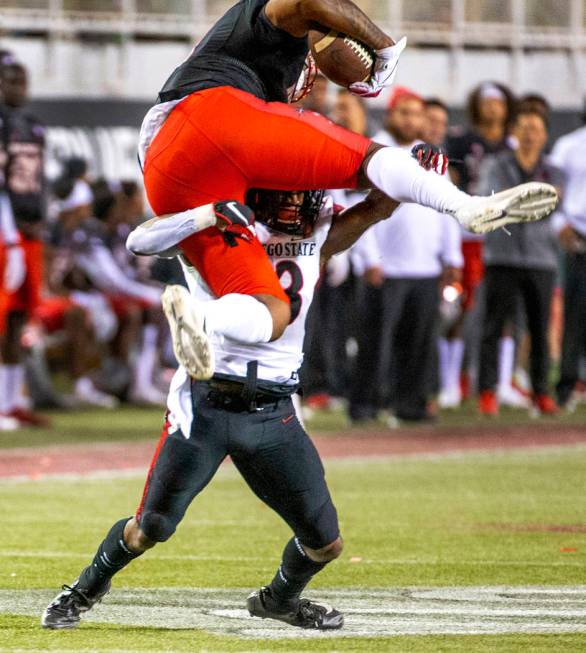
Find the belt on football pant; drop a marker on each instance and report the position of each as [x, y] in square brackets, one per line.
[244, 395]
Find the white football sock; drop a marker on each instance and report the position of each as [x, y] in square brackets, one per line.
[456, 358]
[11, 382]
[147, 358]
[239, 317]
[398, 175]
[506, 362]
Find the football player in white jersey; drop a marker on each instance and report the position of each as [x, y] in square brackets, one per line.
[244, 410]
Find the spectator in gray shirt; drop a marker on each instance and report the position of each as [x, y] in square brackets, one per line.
[520, 262]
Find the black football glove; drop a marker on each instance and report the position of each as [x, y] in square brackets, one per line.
[237, 218]
[431, 157]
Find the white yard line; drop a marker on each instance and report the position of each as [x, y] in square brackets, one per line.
[369, 613]
[365, 561]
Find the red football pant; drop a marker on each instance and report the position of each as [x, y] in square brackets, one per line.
[28, 296]
[473, 272]
[220, 142]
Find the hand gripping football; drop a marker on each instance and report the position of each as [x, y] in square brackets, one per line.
[342, 59]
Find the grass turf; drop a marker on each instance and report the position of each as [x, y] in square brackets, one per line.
[473, 520]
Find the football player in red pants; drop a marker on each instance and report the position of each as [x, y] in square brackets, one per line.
[222, 125]
[22, 143]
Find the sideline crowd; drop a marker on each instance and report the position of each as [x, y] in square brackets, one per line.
[416, 316]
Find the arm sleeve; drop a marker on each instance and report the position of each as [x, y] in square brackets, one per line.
[104, 272]
[161, 236]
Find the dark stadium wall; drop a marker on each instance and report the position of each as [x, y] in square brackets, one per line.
[105, 132]
[71, 112]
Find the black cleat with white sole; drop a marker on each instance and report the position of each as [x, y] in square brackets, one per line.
[65, 609]
[305, 615]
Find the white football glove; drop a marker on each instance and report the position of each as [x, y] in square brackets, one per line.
[385, 69]
[15, 269]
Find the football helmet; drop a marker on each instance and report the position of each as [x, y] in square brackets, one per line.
[290, 212]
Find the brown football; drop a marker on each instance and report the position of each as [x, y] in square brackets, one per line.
[342, 59]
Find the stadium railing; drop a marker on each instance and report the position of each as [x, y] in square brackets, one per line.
[452, 23]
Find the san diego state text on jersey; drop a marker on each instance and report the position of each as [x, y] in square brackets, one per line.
[291, 249]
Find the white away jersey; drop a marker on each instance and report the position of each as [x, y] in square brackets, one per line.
[297, 264]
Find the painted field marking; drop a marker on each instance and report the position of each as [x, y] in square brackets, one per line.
[369, 612]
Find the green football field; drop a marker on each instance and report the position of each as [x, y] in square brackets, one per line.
[467, 552]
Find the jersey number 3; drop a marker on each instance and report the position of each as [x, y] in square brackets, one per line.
[294, 288]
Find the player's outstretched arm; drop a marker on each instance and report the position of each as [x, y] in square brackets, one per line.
[349, 225]
[162, 235]
[297, 17]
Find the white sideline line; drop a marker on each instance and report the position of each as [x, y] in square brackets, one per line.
[366, 561]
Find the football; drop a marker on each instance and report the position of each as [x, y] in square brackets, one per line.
[342, 59]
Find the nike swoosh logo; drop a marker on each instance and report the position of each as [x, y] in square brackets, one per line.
[390, 74]
[286, 420]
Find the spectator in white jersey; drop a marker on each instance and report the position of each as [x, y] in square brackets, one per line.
[73, 307]
[568, 155]
[134, 299]
[408, 269]
[244, 410]
[327, 373]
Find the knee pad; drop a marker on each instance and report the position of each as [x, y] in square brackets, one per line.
[321, 528]
[157, 527]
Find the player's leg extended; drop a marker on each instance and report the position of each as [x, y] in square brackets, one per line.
[218, 143]
[285, 471]
[180, 469]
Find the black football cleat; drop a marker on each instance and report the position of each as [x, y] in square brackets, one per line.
[65, 609]
[306, 614]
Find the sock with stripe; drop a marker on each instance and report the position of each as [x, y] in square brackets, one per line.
[112, 556]
[295, 571]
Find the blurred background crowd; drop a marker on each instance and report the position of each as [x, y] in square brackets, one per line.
[417, 317]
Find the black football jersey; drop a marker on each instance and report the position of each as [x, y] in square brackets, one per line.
[23, 143]
[243, 50]
[466, 152]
